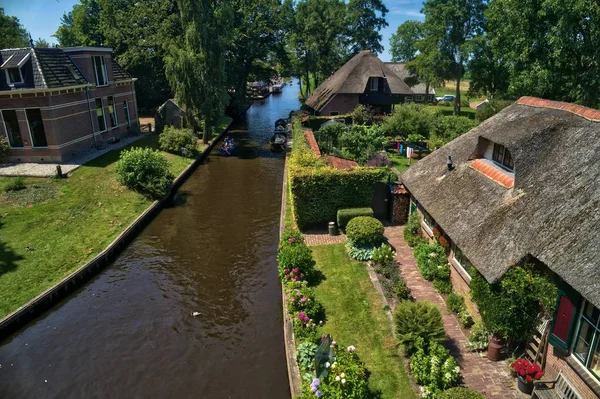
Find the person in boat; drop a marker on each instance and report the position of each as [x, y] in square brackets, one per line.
[225, 148]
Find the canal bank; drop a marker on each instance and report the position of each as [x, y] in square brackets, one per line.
[130, 331]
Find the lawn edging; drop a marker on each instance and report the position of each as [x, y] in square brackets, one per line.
[288, 326]
[76, 279]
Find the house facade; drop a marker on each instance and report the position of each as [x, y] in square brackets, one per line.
[365, 79]
[422, 92]
[524, 186]
[57, 102]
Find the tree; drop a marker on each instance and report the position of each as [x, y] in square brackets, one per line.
[12, 33]
[403, 43]
[365, 18]
[489, 73]
[41, 43]
[450, 26]
[81, 25]
[195, 64]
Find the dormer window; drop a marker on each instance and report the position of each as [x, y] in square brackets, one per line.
[374, 84]
[13, 68]
[502, 156]
[14, 75]
[100, 70]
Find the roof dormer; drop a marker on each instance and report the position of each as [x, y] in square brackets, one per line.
[12, 68]
[495, 161]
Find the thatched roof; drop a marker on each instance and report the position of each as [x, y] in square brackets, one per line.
[352, 78]
[552, 212]
[403, 73]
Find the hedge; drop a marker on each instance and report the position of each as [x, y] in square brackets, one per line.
[347, 214]
[317, 193]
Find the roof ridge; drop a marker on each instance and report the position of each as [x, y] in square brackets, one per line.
[590, 114]
[38, 66]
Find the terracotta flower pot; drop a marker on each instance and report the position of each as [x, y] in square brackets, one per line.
[494, 351]
[524, 386]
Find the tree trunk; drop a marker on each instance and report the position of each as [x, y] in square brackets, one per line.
[426, 92]
[307, 75]
[301, 90]
[457, 96]
[207, 132]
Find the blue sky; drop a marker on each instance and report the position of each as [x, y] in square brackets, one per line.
[42, 17]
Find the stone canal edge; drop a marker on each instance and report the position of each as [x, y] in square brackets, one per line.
[288, 325]
[79, 277]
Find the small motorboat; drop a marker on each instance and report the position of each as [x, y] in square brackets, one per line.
[281, 122]
[278, 141]
[227, 148]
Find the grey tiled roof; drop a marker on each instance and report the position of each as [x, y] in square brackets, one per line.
[57, 68]
[118, 72]
[13, 60]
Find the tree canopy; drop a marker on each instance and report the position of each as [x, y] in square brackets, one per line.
[12, 33]
[403, 43]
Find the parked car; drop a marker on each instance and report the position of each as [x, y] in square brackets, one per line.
[447, 97]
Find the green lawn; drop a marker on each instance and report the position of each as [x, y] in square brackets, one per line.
[67, 222]
[400, 162]
[355, 316]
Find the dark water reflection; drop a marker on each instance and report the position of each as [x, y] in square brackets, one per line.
[130, 334]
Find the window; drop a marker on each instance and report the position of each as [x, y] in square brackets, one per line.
[36, 127]
[408, 98]
[586, 347]
[126, 110]
[374, 84]
[14, 75]
[100, 70]
[334, 113]
[419, 98]
[430, 97]
[502, 156]
[112, 111]
[461, 260]
[11, 126]
[100, 115]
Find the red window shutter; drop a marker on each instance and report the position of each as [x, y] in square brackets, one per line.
[564, 315]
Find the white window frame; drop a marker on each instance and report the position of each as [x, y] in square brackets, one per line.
[103, 114]
[461, 269]
[574, 342]
[29, 130]
[126, 112]
[373, 84]
[408, 98]
[114, 112]
[9, 81]
[6, 130]
[428, 229]
[102, 67]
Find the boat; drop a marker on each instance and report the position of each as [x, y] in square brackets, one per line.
[278, 141]
[276, 88]
[227, 148]
[281, 122]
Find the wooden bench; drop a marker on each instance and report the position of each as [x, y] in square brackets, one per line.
[560, 388]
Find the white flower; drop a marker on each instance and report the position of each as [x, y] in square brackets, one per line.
[343, 380]
[343, 375]
[327, 365]
[333, 366]
[337, 378]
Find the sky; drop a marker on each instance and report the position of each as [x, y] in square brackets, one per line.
[42, 17]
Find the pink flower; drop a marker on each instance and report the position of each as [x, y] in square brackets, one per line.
[287, 270]
[351, 348]
[292, 299]
[292, 239]
[303, 299]
[287, 276]
[295, 270]
[333, 343]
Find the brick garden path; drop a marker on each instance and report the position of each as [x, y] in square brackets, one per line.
[320, 237]
[480, 374]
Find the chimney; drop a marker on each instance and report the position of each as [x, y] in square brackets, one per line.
[449, 163]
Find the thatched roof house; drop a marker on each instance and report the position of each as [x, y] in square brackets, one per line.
[365, 79]
[525, 185]
[420, 89]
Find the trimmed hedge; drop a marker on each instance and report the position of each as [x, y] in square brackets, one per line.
[317, 193]
[347, 214]
[365, 231]
[461, 393]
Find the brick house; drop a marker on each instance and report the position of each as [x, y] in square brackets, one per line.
[525, 187]
[56, 102]
[365, 79]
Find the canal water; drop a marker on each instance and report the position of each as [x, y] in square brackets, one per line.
[130, 333]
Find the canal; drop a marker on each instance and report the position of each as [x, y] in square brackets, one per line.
[130, 333]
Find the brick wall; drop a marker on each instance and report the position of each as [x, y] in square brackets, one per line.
[555, 362]
[342, 103]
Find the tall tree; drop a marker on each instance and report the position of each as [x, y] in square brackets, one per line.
[41, 43]
[12, 33]
[365, 18]
[195, 64]
[81, 25]
[403, 43]
[450, 26]
[489, 73]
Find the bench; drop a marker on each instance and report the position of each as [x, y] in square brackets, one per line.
[560, 388]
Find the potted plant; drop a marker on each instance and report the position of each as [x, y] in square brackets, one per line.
[527, 372]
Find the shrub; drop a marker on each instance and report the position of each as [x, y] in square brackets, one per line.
[145, 170]
[478, 339]
[305, 327]
[362, 142]
[407, 119]
[401, 290]
[442, 286]
[318, 193]
[295, 262]
[432, 261]
[380, 160]
[384, 255]
[300, 298]
[418, 320]
[433, 368]
[17, 184]
[466, 320]
[491, 108]
[460, 393]
[515, 306]
[412, 230]
[4, 148]
[328, 136]
[305, 355]
[455, 303]
[365, 231]
[347, 214]
[362, 254]
[347, 377]
[173, 140]
[363, 115]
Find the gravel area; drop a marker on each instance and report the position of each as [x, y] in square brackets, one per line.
[48, 169]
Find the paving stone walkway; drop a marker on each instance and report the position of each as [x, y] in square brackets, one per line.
[321, 237]
[478, 373]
